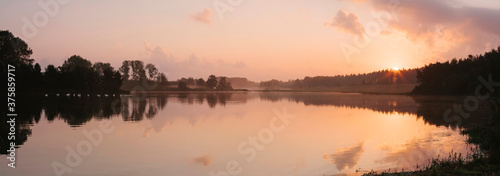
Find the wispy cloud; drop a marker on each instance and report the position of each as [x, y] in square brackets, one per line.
[347, 22]
[204, 17]
[346, 158]
[193, 65]
[445, 28]
[204, 160]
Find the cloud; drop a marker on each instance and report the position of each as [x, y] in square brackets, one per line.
[203, 17]
[443, 28]
[204, 160]
[192, 66]
[346, 158]
[157, 53]
[347, 22]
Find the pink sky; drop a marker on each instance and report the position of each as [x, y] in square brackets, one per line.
[257, 39]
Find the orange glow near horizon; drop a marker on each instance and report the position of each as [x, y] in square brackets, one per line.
[261, 40]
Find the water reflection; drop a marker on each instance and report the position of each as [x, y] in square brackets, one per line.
[396, 131]
[76, 111]
[204, 160]
[420, 150]
[346, 158]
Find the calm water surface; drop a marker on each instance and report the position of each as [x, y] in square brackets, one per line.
[254, 133]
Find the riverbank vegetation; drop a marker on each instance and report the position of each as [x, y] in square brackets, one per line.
[479, 77]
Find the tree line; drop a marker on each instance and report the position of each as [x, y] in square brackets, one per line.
[75, 75]
[388, 76]
[459, 77]
[212, 83]
[79, 75]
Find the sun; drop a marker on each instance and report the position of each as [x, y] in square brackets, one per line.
[395, 68]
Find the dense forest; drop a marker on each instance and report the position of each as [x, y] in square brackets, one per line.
[459, 77]
[388, 76]
[74, 75]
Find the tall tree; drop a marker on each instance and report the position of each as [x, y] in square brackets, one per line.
[13, 50]
[125, 70]
[51, 78]
[224, 84]
[200, 82]
[77, 74]
[152, 71]
[138, 72]
[211, 82]
[162, 79]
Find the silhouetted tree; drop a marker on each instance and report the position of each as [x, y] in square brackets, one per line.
[51, 78]
[77, 74]
[458, 77]
[152, 71]
[138, 72]
[125, 70]
[182, 85]
[211, 82]
[162, 79]
[13, 50]
[224, 85]
[200, 82]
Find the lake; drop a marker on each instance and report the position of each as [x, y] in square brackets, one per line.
[239, 133]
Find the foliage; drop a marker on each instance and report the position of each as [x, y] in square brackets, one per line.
[75, 75]
[211, 82]
[458, 77]
[383, 77]
[224, 85]
[182, 85]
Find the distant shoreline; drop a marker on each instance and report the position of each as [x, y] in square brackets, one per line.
[392, 89]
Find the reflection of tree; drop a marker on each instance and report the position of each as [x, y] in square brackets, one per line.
[211, 100]
[223, 97]
[138, 106]
[200, 98]
[431, 109]
[77, 110]
[378, 103]
[23, 131]
[152, 109]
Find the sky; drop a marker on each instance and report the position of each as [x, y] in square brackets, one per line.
[256, 39]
